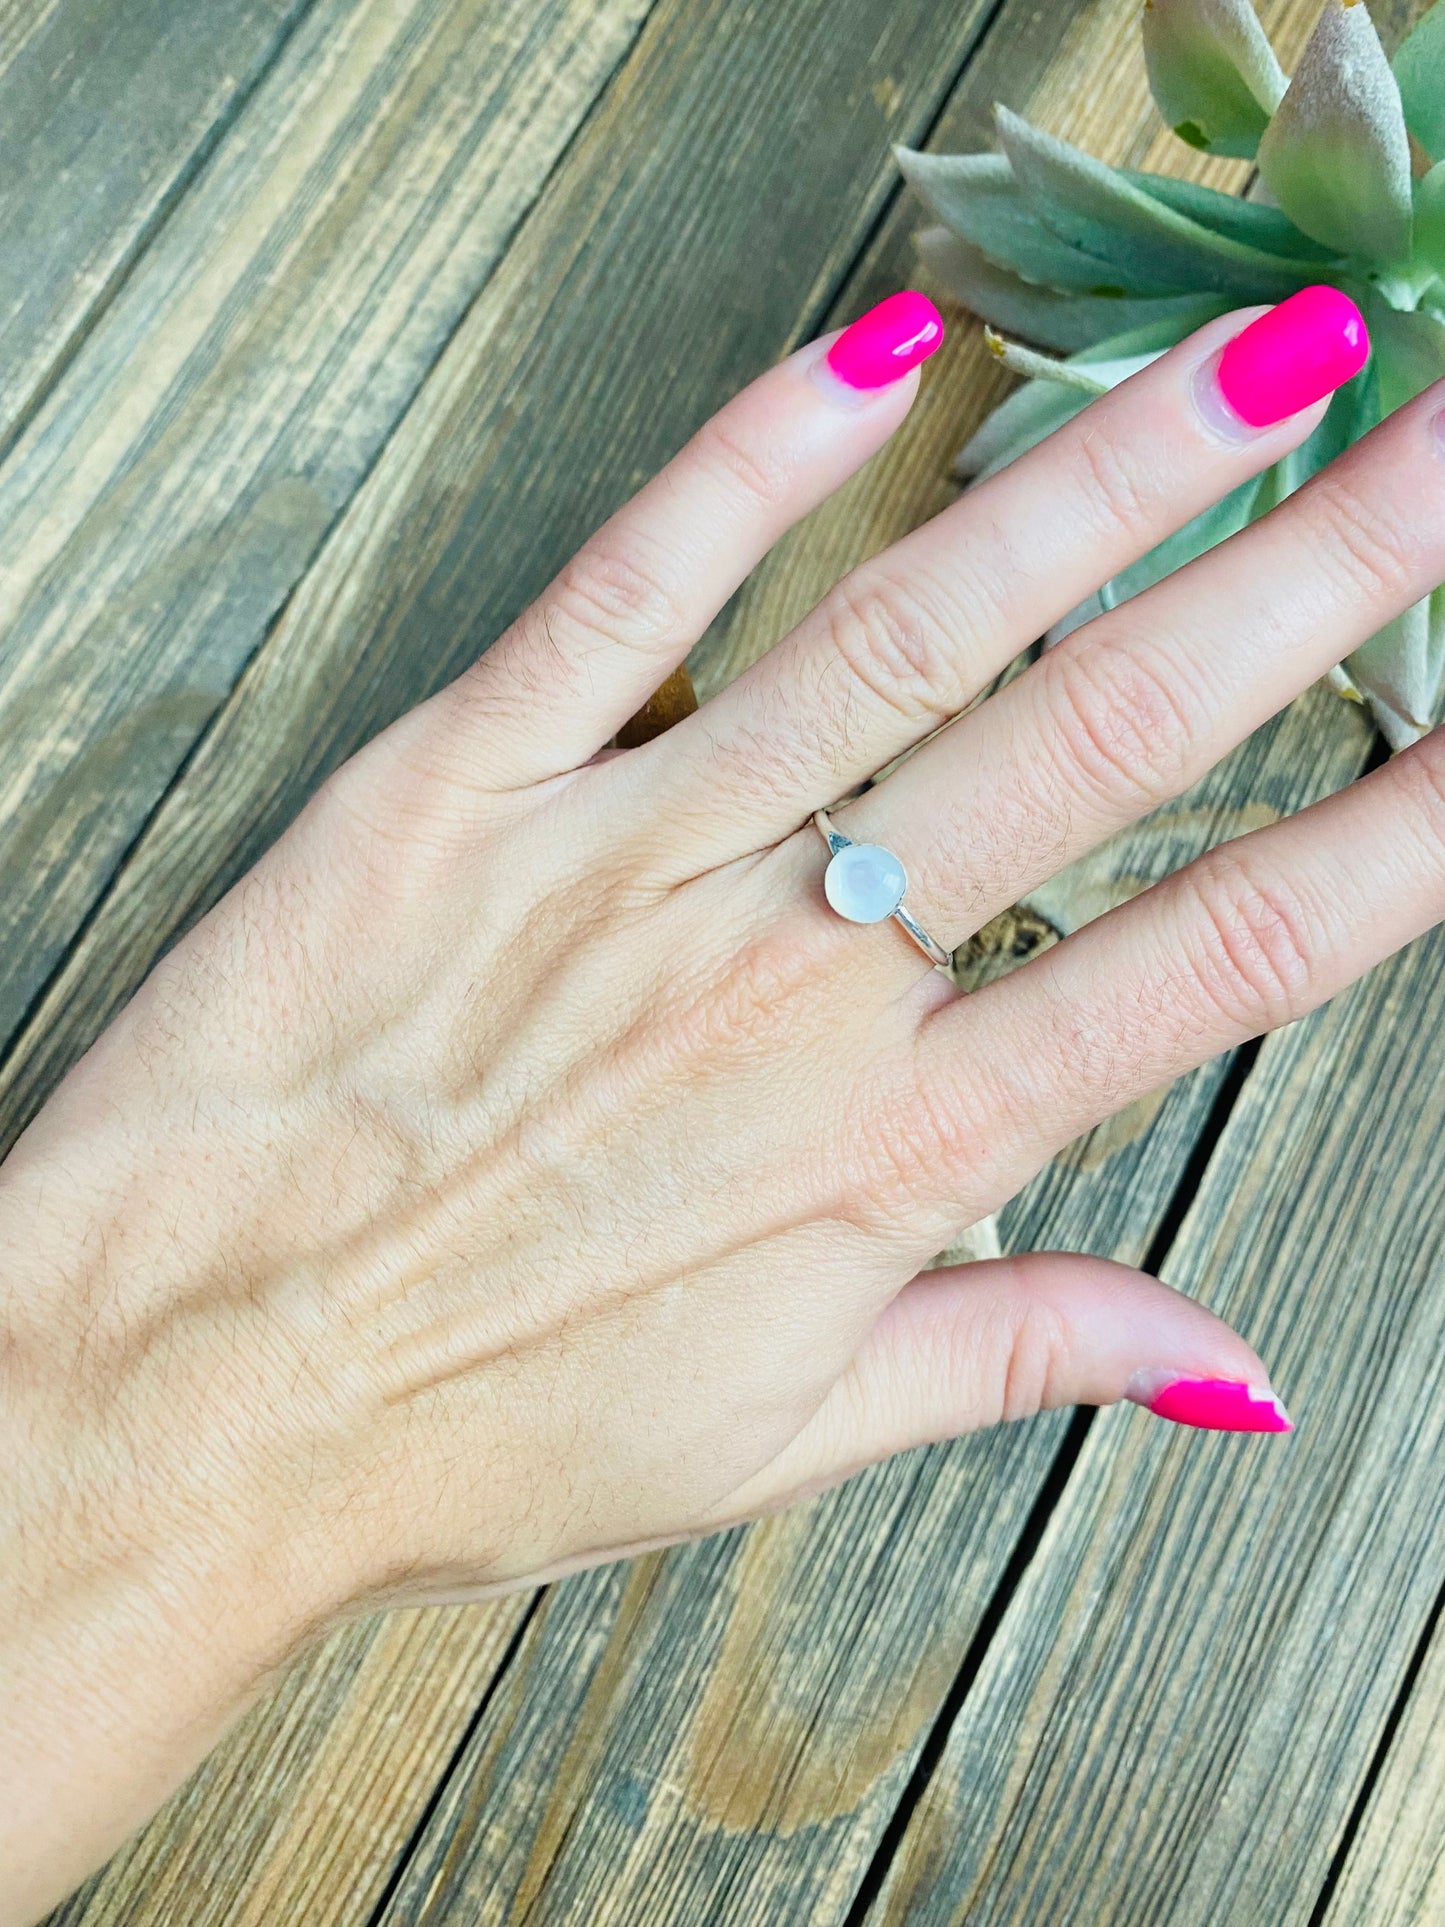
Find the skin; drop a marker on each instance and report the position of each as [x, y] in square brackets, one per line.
[523, 1167]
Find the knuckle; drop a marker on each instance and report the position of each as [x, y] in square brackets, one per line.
[1354, 539]
[1121, 725]
[753, 767]
[894, 647]
[727, 451]
[928, 1144]
[747, 1008]
[615, 589]
[1254, 962]
[1039, 1345]
[1109, 484]
[901, 1155]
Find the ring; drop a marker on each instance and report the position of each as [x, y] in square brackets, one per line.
[866, 883]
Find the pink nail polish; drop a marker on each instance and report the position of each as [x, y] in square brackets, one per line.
[1213, 1404]
[1293, 355]
[886, 342]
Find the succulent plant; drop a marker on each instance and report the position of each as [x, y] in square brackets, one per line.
[1107, 267]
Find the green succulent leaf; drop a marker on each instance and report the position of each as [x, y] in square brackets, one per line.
[1212, 72]
[1100, 210]
[1408, 352]
[1401, 671]
[1430, 219]
[1336, 156]
[977, 197]
[1419, 69]
[1268, 229]
[1045, 316]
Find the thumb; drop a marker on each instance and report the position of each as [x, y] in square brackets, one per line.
[968, 1346]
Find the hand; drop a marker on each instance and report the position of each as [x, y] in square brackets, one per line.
[524, 1165]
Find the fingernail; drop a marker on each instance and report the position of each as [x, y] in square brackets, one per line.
[1304, 348]
[882, 345]
[1213, 1404]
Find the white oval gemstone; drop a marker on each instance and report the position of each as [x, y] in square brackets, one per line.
[864, 883]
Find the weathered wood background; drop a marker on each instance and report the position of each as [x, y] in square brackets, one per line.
[327, 329]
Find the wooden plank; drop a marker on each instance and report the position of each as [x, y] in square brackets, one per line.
[300, 1816]
[84, 186]
[184, 472]
[1188, 1687]
[427, 565]
[1394, 1872]
[655, 1754]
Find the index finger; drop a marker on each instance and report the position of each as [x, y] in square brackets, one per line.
[623, 613]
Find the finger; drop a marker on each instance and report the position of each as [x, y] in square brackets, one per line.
[625, 611]
[971, 1346]
[906, 640]
[1132, 708]
[1248, 937]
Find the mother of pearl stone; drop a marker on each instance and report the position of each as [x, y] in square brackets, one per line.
[864, 882]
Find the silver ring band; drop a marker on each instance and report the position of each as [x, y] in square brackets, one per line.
[836, 842]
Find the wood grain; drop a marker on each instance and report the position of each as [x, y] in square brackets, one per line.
[179, 480]
[1394, 1870]
[84, 181]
